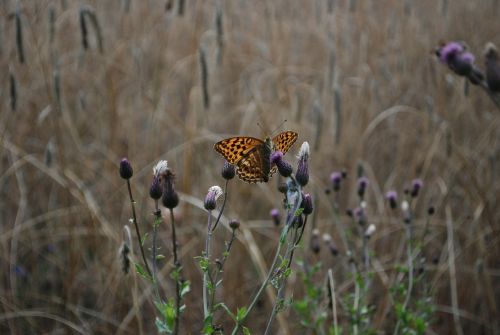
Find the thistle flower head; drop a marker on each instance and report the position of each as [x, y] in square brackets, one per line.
[307, 204]
[228, 171]
[302, 175]
[213, 194]
[160, 168]
[234, 224]
[155, 191]
[416, 185]
[492, 64]
[170, 198]
[275, 215]
[450, 50]
[335, 179]
[362, 185]
[359, 215]
[284, 168]
[392, 197]
[126, 171]
[315, 243]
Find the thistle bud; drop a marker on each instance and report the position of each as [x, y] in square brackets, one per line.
[370, 230]
[275, 215]
[284, 168]
[362, 185]
[228, 171]
[492, 63]
[170, 198]
[302, 175]
[126, 170]
[327, 238]
[155, 190]
[392, 197]
[307, 204]
[416, 185]
[234, 224]
[213, 194]
[335, 179]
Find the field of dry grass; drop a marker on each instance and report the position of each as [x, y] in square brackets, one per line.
[358, 80]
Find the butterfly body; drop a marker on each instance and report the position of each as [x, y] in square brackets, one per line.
[252, 156]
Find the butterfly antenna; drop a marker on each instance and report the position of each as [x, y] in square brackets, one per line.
[280, 126]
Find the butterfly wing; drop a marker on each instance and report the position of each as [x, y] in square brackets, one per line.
[284, 141]
[254, 167]
[236, 148]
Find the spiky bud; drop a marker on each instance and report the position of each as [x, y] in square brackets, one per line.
[213, 194]
[155, 191]
[234, 224]
[284, 168]
[362, 185]
[336, 179]
[126, 171]
[170, 198]
[302, 175]
[275, 215]
[307, 204]
[392, 198]
[228, 171]
[416, 185]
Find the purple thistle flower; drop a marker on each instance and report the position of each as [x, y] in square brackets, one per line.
[284, 168]
[228, 171]
[307, 204]
[416, 185]
[170, 198]
[492, 64]
[362, 185]
[213, 194]
[335, 179]
[234, 224]
[392, 197]
[275, 215]
[155, 191]
[449, 50]
[460, 61]
[126, 171]
[302, 175]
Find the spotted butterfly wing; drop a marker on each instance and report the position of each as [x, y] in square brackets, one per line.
[283, 142]
[251, 156]
[235, 148]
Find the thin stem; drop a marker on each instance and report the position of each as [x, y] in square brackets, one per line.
[409, 255]
[157, 221]
[134, 219]
[334, 302]
[222, 207]
[356, 297]
[207, 256]
[219, 269]
[177, 269]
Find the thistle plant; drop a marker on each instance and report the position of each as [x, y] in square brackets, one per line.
[162, 187]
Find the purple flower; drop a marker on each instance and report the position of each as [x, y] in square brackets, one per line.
[416, 185]
[302, 175]
[492, 68]
[275, 215]
[335, 179]
[392, 197]
[450, 50]
[228, 171]
[155, 191]
[284, 168]
[170, 198]
[126, 170]
[460, 61]
[213, 194]
[307, 204]
[362, 185]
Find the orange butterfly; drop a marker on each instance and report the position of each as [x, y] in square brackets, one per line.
[252, 156]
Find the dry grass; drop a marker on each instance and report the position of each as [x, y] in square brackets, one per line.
[360, 85]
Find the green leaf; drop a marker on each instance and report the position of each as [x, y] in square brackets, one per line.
[162, 327]
[160, 257]
[298, 212]
[144, 237]
[141, 272]
[207, 325]
[241, 313]
[246, 331]
[185, 287]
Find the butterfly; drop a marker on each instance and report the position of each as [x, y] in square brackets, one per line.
[252, 156]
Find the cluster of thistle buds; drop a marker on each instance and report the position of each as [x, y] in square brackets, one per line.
[462, 62]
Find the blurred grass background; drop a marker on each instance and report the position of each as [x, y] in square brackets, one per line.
[356, 79]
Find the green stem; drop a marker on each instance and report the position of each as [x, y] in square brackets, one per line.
[177, 270]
